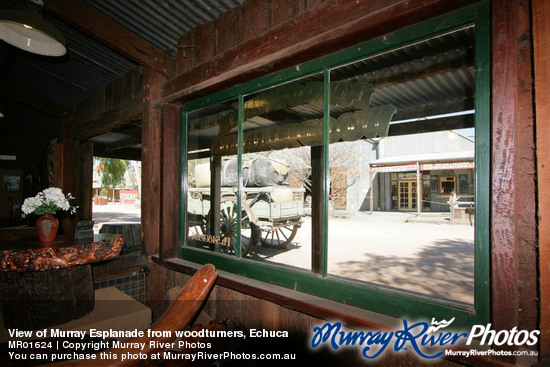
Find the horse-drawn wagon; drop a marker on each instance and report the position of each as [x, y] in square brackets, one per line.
[271, 211]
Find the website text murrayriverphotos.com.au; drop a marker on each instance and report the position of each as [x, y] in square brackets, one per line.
[428, 341]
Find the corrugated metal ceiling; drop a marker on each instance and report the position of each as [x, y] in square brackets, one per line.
[89, 65]
[161, 23]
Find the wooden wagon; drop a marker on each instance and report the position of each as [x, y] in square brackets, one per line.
[269, 215]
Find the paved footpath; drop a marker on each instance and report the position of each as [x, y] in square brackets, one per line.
[115, 212]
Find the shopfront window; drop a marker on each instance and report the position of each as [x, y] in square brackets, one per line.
[359, 177]
[447, 185]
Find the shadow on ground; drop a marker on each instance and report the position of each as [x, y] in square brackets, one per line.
[444, 270]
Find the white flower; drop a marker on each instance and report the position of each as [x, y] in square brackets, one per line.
[31, 204]
[50, 200]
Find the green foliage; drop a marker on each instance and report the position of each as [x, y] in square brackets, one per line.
[103, 192]
[113, 171]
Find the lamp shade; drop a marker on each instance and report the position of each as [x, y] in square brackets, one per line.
[28, 30]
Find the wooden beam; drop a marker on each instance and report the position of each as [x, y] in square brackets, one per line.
[302, 39]
[128, 110]
[435, 109]
[126, 143]
[439, 124]
[392, 78]
[541, 38]
[131, 154]
[34, 100]
[107, 31]
[133, 131]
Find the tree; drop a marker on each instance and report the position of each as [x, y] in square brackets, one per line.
[345, 165]
[112, 172]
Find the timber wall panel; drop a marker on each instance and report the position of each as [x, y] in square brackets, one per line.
[230, 29]
[310, 4]
[282, 10]
[256, 21]
[109, 107]
[206, 34]
[188, 52]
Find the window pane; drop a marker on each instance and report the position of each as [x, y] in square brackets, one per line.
[402, 193]
[280, 127]
[212, 179]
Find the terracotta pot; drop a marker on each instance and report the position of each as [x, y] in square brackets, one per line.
[46, 227]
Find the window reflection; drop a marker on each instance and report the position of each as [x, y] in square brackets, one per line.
[280, 126]
[212, 206]
[401, 172]
[401, 206]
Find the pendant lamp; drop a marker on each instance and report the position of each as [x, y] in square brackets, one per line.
[28, 30]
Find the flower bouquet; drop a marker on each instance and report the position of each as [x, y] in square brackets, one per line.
[46, 203]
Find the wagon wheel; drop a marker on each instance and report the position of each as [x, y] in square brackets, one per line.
[228, 225]
[196, 226]
[279, 236]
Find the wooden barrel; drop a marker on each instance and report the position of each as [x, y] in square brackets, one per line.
[39, 299]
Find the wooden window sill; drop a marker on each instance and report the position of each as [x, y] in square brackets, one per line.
[314, 306]
[304, 303]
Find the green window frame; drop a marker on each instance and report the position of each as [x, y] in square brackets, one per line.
[372, 298]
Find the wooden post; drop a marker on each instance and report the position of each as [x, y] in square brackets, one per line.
[418, 181]
[317, 228]
[541, 37]
[170, 180]
[86, 180]
[151, 155]
[371, 191]
[58, 165]
[215, 197]
[452, 210]
[70, 177]
[513, 220]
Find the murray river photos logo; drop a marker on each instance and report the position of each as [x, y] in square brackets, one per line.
[428, 341]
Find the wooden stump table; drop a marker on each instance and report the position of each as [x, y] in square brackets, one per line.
[47, 284]
[130, 231]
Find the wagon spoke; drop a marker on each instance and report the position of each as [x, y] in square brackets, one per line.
[279, 232]
[230, 211]
[286, 237]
